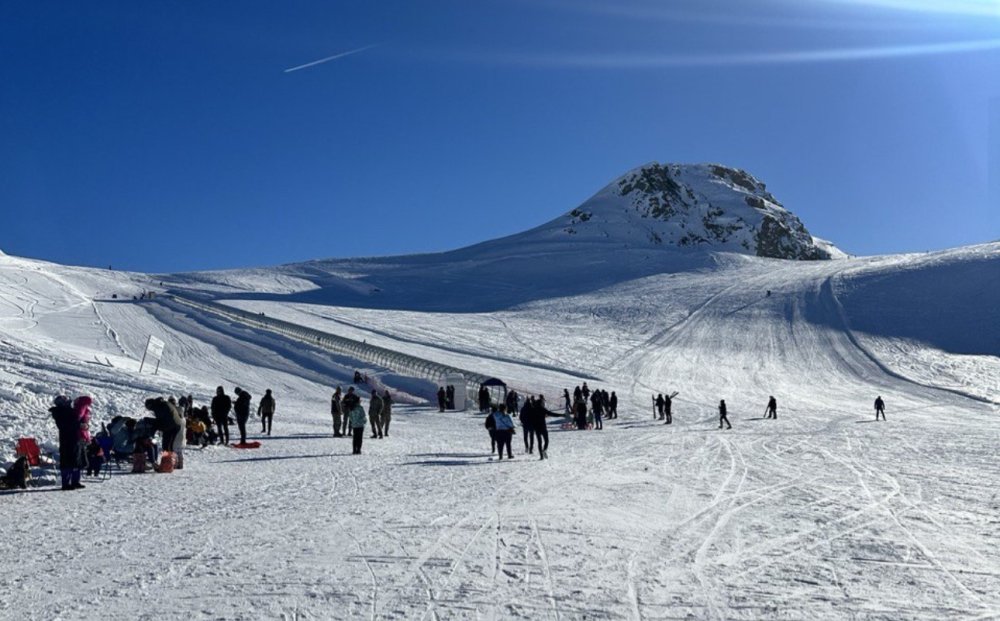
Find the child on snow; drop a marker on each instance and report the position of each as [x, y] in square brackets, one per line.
[95, 458]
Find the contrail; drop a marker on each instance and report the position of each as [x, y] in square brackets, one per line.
[334, 57]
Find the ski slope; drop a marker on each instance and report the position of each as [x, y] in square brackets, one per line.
[822, 514]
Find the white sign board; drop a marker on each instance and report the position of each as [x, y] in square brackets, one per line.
[154, 349]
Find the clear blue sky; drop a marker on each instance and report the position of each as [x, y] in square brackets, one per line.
[167, 136]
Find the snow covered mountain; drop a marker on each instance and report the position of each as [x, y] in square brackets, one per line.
[705, 206]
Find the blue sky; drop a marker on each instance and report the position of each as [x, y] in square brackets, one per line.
[163, 136]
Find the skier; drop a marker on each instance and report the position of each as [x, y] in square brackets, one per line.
[221, 404]
[722, 415]
[336, 410]
[504, 432]
[526, 429]
[772, 408]
[69, 442]
[375, 414]
[659, 405]
[491, 427]
[613, 405]
[242, 410]
[668, 401]
[265, 409]
[356, 415]
[442, 398]
[879, 407]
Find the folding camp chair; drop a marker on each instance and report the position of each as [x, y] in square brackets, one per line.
[28, 447]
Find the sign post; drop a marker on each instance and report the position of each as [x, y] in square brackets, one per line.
[154, 349]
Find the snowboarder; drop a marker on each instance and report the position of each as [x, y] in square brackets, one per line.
[772, 408]
[504, 432]
[722, 415]
[265, 409]
[336, 412]
[386, 411]
[442, 398]
[375, 414]
[879, 407]
[242, 410]
[69, 442]
[356, 415]
[221, 405]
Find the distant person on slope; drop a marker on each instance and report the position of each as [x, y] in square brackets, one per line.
[442, 398]
[526, 430]
[659, 405]
[386, 410]
[668, 402]
[242, 410]
[568, 404]
[722, 415]
[879, 407]
[505, 432]
[491, 427]
[581, 413]
[772, 408]
[336, 412]
[597, 407]
[221, 405]
[375, 414]
[265, 409]
[539, 426]
[351, 399]
[69, 442]
[356, 416]
[613, 405]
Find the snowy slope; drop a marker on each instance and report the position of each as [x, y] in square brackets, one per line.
[814, 515]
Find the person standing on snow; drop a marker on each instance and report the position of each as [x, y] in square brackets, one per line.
[581, 413]
[221, 405]
[386, 411]
[772, 408]
[442, 398]
[336, 412]
[668, 402]
[350, 400]
[597, 407]
[375, 414]
[722, 415]
[540, 427]
[68, 425]
[567, 403]
[613, 405]
[265, 409]
[658, 402]
[879, 408]
[356, 416]
[504, 432]
[491, 427]
[526, 430]
[242, 410]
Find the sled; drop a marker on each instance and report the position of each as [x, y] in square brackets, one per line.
[246, 445]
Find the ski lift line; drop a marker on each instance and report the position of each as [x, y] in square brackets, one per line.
[372, 354]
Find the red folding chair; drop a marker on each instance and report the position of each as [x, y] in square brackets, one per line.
[28, 447]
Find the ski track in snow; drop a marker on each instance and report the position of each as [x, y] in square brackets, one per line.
[821, 514]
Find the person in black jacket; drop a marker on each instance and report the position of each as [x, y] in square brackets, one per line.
[68, 424]
[772, 408]
[613, 405]
[668, 403]
[540, 427]
[491, 426]
[526, 416]
[242, 410]
[221, 405]
[722, 415]
[879, 408]
[442, 398]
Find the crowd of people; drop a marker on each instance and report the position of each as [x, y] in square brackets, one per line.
[180, 422]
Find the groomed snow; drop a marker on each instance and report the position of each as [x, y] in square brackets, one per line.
[822, 514]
